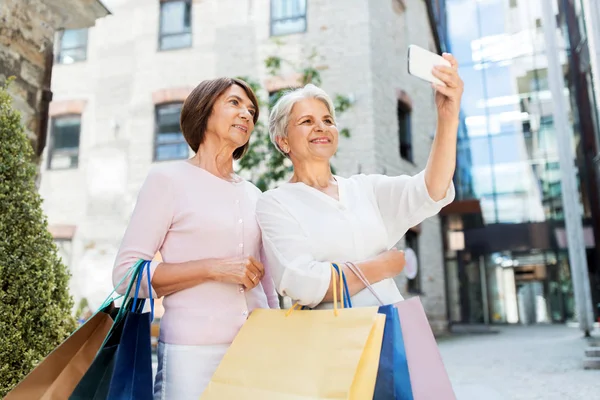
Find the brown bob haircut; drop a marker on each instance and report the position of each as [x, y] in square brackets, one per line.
[198, 107]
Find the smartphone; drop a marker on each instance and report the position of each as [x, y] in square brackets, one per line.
[421, 62]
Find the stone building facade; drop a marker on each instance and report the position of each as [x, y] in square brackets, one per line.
[27, 32]
[145, 58]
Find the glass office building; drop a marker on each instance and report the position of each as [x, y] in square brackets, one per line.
[506, 252]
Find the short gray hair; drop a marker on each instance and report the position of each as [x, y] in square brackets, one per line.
[279, 118]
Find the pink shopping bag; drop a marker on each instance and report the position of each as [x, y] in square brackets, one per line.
[428, 376]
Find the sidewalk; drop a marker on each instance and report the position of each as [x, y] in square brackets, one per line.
[520, 362]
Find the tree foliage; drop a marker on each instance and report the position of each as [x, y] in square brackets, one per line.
[263, 164]
[35, 304]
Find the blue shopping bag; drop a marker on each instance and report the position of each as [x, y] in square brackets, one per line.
[99, 382]
[393, 377]
[132, 372]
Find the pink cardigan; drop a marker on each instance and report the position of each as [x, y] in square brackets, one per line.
[186, 213]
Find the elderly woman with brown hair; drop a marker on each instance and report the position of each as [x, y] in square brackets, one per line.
[317, 218]
[200, 216]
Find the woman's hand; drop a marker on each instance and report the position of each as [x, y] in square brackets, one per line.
[447, 98]
[392, 262]
[246, 271]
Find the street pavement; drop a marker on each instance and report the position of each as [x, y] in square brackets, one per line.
[520, 362]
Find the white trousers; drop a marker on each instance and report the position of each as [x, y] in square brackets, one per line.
[184, 371]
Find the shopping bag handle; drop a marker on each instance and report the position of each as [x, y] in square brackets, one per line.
[346, 297]
[137, 288]
[136, 276]
[109, 299]
[364, 280]
[346, 291]
[342, 293]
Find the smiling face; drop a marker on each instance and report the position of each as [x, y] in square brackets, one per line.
[231, 119]
[311, 133]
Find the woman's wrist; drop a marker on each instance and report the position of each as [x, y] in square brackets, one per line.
[374, 270]
[208, 269]
[448, 123]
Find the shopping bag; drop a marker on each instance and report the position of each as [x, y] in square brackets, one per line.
[302, 354]
[428, 377]
[96, 382]
[413, 366]
[393, 381]
[57, 375]
[132, 373]
[393, 377]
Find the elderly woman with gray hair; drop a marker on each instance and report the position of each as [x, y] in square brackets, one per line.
[318, 218]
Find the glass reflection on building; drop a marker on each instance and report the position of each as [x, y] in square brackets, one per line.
[506, 256]
[508, 108]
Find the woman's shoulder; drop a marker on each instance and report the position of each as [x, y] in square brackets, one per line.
[356, 181]
[169, 169]
[288, 191]
[251, 189]
[272, 194]
[370, 180]
[282, 194]
[173, 175]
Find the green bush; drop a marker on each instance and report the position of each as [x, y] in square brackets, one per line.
[35, 304]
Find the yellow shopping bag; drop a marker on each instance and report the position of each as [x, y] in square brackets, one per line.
[302, 355]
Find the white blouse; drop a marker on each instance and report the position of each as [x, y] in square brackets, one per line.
[303, 230]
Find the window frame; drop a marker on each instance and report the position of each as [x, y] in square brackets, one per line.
[272, 21]
[61, 48]
[413, 286]
[156, 144]
[405, 148]
[52, 141]
[162, 35]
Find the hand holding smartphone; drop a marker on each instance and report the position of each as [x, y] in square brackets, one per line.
[421, 62]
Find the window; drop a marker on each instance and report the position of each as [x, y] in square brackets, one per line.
[64, 142]
[404, 131]
[412, 241]
[169, 143]
[287, 17]
[175, 24]
[72, 46]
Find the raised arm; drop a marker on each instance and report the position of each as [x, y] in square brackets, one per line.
[404, 202]
[442, 158]
[296, 273]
